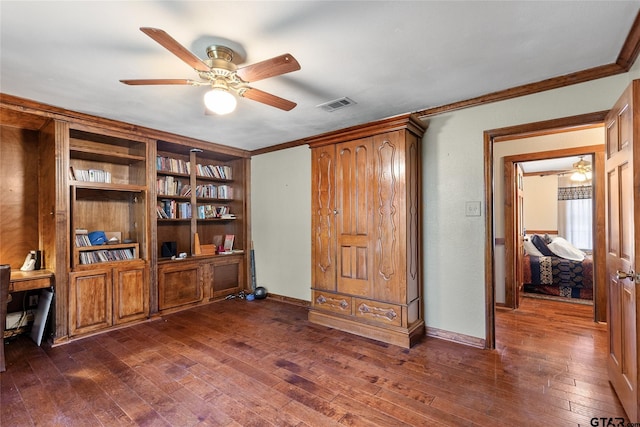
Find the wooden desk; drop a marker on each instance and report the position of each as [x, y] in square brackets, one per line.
[29, 280]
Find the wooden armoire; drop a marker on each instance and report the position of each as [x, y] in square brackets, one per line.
[367, 231]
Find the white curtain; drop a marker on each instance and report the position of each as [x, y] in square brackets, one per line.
[575, 218]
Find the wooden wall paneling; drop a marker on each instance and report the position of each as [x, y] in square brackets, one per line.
[152, 252]
[19, 202]
[54, 143]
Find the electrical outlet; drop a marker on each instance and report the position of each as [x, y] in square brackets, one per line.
[472, 209]
[33, 300]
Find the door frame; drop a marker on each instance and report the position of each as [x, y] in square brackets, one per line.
[511, 233]
[490, 136]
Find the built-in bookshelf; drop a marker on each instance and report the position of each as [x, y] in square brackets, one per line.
[109, 217]
[107, 181]
[104, 175]
[197, 191]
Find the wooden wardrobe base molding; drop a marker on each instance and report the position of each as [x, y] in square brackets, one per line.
[402, 338]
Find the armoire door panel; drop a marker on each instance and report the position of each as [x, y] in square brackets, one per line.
[323, 218]
[354, 262]
[390, 226]
[354, 216]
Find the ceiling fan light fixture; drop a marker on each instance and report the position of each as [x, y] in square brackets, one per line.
[578, 177]
[220, 101]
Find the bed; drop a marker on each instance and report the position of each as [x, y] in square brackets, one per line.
[546, 272]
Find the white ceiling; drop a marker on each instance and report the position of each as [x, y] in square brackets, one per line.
[552, 165]
[390, 57]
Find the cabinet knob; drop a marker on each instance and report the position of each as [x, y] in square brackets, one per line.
[335, 211]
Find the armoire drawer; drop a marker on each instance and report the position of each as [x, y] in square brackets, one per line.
[332, 302]
[380, 312]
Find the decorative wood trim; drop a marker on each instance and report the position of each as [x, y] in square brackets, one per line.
[408, 122]
[528, 89]
[455, 337]
[34, 115]
[543, 132]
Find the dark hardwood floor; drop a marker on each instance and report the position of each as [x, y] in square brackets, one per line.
[240, 363]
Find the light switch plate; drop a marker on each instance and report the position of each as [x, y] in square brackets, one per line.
[472, 208]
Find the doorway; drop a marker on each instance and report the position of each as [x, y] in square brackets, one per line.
[494, 243]
[514, 230]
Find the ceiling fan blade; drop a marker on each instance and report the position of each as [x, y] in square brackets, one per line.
[160, 82]
[271, 67]
[267, 98]
[176, 48]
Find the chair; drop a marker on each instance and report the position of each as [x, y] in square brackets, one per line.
[5, 279]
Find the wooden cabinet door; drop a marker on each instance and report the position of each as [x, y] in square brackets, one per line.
[90, 301]
[131, 293]
[389, 229]
[354, 205]
[323, 205]
[179, 283]
[225, 276]
[622, 220]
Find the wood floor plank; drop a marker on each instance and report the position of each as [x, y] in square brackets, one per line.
[261, 363]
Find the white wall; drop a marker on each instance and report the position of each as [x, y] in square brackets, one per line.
[453, 173]
[281, 221]
[540, 208]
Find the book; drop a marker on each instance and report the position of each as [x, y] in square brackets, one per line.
[228, 242]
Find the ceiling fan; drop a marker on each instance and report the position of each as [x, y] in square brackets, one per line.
[223, 76]
[581, 170]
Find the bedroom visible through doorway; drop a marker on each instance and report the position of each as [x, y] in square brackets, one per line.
[508, 147]
[557, 214]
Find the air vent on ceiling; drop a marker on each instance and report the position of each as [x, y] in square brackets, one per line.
[337, 104]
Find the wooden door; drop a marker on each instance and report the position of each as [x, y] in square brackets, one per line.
[224, 276]
[179, 284]
[354, 181]
[131, 293]
[623, 235]
[519, 223]
[90, 301]
[323, 213]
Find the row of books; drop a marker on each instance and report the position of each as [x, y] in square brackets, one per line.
[214, 191]
[211, 211]
[90, 175]
[82, 240]
[214, 171]
[169, 164]
[172, 209]
[170, 186]
[106, 255]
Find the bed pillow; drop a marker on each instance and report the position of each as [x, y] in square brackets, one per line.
[530, 249]
[564, 249]
[539, 243]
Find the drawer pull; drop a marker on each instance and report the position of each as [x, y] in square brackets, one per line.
[388, 313]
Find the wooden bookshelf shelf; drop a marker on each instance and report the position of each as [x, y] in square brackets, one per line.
[104, 156]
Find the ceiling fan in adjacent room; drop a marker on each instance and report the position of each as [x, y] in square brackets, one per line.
[222, 74]
[581, 171]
